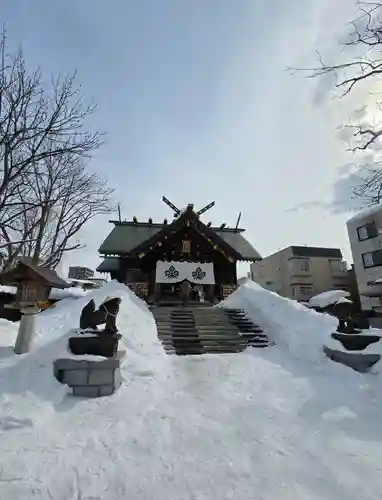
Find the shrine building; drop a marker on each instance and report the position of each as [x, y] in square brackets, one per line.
[154, 258]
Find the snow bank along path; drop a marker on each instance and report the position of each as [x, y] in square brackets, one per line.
[256, 425]
[301, 330]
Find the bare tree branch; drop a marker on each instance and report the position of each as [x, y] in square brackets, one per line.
[365, 40]
[47, 193]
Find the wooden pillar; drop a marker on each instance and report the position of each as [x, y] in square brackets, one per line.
[211, 293]
[157, 291]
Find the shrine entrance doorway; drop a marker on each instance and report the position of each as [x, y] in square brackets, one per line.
[170, 276]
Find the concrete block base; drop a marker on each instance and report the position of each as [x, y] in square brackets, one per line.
[89, 379]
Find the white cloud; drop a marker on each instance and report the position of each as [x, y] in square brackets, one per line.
[269, 141]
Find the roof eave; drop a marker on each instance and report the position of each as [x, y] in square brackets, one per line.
[250, 259]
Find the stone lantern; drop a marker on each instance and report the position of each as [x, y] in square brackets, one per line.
[33, 286]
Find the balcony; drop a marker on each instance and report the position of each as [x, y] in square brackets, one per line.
[299, 267]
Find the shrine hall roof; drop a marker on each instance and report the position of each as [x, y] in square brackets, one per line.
[126, 236]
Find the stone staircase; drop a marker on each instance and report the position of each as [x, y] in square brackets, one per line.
[201, 330]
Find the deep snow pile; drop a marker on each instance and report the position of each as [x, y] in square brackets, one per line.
[32, 372]
[292, 325]
[259, 424]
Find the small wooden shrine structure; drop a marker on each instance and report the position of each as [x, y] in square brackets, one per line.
[154, 258]
[33, 283]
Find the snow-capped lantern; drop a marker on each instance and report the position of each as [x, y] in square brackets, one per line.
[33, 284]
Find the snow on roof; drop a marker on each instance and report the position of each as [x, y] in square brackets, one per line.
[8, 289]
[55, 293]
[344, 300]
[68, 293]
[328, 298]
[75, 280]
[366, 212]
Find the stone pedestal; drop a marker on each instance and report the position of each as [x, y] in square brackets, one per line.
[96, 344]
[354, 355]
[90, 379]
[25, 334]
[358, 361]
[354, 341]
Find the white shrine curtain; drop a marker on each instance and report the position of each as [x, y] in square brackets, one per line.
[195, 272]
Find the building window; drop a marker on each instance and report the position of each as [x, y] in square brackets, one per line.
[338, 266]
[306, 290]
[367, 231]
[300, 265]
[372, 259]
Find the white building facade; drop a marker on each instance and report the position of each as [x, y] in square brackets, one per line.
[365, 236]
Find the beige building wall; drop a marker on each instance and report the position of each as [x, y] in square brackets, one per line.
[301, 276]
[364, 231]
[269, 271]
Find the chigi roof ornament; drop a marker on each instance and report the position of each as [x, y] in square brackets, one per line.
[190, 206]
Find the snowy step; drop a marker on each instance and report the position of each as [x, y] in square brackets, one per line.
[224, 353]
[202, 331]
[257, 337]
[191, 325]
[209, 340]
[185, 352]
[182, 320]
[203, 342]
[189, 330]
[207, 317]
[213, 333]
[198, 341]
[210, 335]
[216, 328]
[209, 312]
[215, 325]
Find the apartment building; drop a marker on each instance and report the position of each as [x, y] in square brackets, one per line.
[300, 272]
[80, 273]
[365, 236]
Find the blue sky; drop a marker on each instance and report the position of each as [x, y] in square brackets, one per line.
[198, 106]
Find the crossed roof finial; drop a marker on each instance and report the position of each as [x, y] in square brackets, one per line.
[177, 211]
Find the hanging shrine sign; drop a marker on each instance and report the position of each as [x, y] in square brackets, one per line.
[175, 272]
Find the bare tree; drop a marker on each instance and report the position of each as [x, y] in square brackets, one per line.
[44, 146]
[362, 51]
[64, 196]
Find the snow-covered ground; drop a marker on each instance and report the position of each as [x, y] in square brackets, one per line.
[278, 423]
